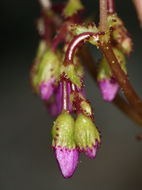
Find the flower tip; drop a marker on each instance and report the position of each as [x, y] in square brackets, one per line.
[91, 152]
[67, 160]
[109, 89]
[46, 90]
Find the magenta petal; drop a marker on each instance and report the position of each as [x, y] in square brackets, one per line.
[53, 109]
[67, 160]
[46, 89]
[109, 89]
[91, 152]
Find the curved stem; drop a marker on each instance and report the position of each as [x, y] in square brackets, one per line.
[110, 6]
[74, 44]
[122, 78]
[103, 16]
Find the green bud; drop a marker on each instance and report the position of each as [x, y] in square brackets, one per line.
[79, 29]
[49, 67]
[72, 7]
[35, 67]
[120, 34]
[86, 134]
[63, 131]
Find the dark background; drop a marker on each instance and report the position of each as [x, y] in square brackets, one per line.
[26, 160]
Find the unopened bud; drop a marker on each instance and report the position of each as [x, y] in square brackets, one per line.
[86, 136]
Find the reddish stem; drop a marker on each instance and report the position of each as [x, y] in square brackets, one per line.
[65, 106]
[74, 44]
[110, 6]
[122, 78]
[103, 16]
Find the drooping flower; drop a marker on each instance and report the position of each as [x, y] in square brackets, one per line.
[48, 74]
[63, 143]
[86, 136]
[35, 67]
[106, 80]
[109, 88]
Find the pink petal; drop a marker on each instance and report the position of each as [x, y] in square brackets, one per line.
[46, 89]
[67, 160]
[109, 89]
[91, 152]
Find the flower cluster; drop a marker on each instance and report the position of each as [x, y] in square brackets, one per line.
[57, 76]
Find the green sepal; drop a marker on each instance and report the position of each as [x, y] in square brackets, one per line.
[63, 131]
[35, 67]
[85, 133]
[79, 29]
[78, 67]
[49, 67]
[85, 108]
[114, 20]
[104, 71]
[71, 74]
[72, 7]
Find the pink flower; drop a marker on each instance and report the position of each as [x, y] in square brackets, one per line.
[47, 89]
[109, 89]
[67, 160]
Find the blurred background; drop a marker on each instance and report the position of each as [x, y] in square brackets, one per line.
[26, 160]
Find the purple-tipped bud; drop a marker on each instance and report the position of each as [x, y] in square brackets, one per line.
[48, 74]
[108, 88]
[67, 160]
[63, 143]
[107, 82]
[46, 89]
[86, 136]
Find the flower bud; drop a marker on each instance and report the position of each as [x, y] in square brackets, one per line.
[107, 82]
[48, 74]
[120, 35]
[86, 136]
[108, 88]
[64, 145]
[35, 67]
[80, 104]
